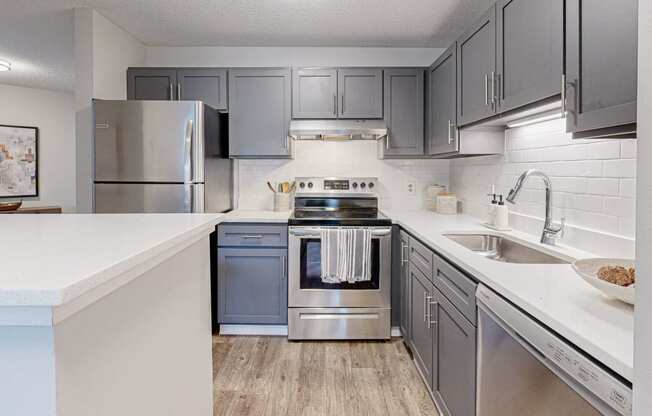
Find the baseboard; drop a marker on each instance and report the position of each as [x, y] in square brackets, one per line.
[273, 330]
[396, 331]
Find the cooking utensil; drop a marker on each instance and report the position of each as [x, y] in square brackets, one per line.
[279, 188]
[588, 270]
[271, 188]
[286, 187]
[10, 206]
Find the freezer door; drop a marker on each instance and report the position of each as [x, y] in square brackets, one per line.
[148, 198]
[149, 141]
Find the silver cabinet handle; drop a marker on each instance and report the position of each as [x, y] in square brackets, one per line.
[493, 89]
[188, 143]
[342, 106]
[430, 321]
[334, 104]
[178, 90]
[486, 89]
[403, 256]
[425, 306]
[283, 268]
[451, 132]
[563, 95]
[254, 237]
[171, 92]
[387, 141]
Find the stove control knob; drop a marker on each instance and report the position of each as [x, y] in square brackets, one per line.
[371, 185]
[354, 185]
[310, 185]
[302, 185]
[363, 185]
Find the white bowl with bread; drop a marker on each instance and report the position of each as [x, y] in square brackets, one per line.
[613, 277]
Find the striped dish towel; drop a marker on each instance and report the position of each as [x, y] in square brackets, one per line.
[345, 255]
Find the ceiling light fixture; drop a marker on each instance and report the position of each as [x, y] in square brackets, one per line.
[5, 65]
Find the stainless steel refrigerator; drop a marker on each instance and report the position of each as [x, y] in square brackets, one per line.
[160, 157]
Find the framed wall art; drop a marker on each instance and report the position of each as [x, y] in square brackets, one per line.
[18, 161]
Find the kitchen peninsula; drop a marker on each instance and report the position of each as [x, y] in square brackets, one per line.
[95, 311]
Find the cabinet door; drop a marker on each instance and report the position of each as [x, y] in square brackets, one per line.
[259, 112]
[403, 90]
[252, 286]
[203, 84]
[454, 355]
[151, 83]
[421, 331]
[601, 64]
[404, 287]
[442, 99]
[476, 69]
[529, 51]
[314, 93]
[360, 92]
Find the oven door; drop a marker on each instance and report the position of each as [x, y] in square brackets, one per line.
[306, 288]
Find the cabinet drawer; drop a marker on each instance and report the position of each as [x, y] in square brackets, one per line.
[252, 235]
[421, 257]
[458, 289]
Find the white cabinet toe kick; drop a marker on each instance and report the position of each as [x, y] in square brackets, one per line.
[338, 323]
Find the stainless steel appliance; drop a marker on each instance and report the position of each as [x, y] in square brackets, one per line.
[524, 368]
[160, 156]
[320, 310]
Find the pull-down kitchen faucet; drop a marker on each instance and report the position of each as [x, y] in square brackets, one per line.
[550, 232]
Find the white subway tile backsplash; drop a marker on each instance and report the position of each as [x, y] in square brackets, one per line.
[593, 181]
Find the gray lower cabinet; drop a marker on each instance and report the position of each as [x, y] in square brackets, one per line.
[252, 285]
[476, 70]
[529, 51]
[259, 113]
[454, 355]
[360, 93]
[404, 112]
[151, 83]
[314, 93]
[203, 84]
[601, 67]
[442, 104]
[404, 285]
[422, 332]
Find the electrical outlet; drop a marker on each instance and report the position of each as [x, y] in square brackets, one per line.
[411, 188]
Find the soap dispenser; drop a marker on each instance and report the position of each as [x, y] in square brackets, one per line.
[491, 208]
[502, 215]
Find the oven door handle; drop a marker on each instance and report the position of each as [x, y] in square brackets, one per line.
[316, 232]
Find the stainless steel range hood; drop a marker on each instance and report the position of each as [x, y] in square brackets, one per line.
[338, 129]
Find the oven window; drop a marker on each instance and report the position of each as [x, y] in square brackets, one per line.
[310, 266]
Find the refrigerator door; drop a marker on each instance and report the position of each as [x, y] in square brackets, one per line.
[148, 198]
[149, 141]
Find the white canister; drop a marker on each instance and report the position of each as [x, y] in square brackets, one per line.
[430, 200]
[282, 201]
[447, 204]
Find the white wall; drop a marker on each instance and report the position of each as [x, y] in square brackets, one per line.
[643, 312]
[286, 56]
[103, 52]
[594, 184]
[357, 158]
[53, 113]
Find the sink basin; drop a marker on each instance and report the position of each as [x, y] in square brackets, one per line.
[503, 249]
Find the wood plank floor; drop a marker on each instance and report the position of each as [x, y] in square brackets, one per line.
[272, 376]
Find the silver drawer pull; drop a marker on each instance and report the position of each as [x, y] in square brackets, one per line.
[430, 321]
[256, 237]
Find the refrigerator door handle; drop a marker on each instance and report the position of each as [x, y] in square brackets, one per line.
[188, 151]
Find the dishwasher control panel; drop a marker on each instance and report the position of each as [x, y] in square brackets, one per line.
[585, 376]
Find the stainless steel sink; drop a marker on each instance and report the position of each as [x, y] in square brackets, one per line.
[503, 249]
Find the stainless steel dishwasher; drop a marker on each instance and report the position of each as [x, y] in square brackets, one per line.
[523, 368]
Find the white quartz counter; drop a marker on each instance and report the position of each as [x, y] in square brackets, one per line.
[49, 260]
[553, 294]
[248, 215]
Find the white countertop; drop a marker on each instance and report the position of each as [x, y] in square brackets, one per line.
[249, 215]
[553, 294]
[49, 260]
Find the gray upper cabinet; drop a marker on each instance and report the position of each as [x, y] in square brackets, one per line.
[529, 51]
[360, 93]
[454, 354]
[314, 93]
[404, 287]
[421, 330]
[203, 84]
[476, 70]
[404, 112]
[259, 113]
[442, 104]
[252, 286]
[601, 67]
[151, 83]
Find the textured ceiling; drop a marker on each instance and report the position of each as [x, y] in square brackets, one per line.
[39, 32]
